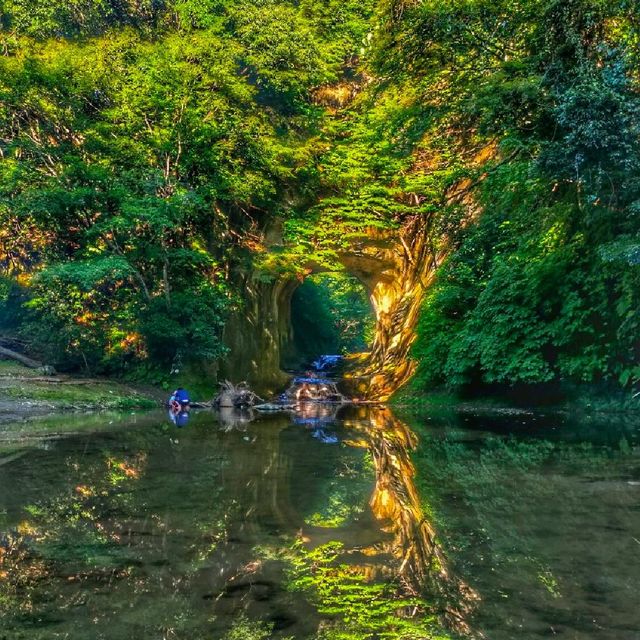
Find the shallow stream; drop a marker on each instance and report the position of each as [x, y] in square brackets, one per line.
[319, 524]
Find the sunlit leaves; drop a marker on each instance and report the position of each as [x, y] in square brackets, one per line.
[360, 608]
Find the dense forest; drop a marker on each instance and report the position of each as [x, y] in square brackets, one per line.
[155, 155]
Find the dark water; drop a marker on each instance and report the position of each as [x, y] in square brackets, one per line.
[315, 525]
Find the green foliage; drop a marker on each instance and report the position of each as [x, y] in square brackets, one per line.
[245, 629]
[527, 302]
[349, 308]
[137, 148]
[544, 286]
[282, 50]
[360, 609]
[51, 18]
[331, 313]
[147, 147]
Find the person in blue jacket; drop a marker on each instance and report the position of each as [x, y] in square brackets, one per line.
[180, 399]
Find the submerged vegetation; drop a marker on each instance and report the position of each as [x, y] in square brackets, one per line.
[154, 154]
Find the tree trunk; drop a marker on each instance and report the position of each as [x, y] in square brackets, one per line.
[26, 361]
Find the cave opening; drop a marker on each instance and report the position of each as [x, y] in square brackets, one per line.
[331, 313]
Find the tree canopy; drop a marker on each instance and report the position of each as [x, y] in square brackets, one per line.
[146, 148]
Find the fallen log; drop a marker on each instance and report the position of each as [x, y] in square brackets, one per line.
[59, 380]
[26, 361]
[235, 395]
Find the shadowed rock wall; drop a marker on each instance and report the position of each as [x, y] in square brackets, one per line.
[256, 333]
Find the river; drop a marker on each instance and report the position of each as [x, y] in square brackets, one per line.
[321, 524]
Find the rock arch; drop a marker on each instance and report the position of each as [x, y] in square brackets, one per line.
[395, 265]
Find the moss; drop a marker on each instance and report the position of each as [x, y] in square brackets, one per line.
[11, 368]
[100, 396]
[32, 392]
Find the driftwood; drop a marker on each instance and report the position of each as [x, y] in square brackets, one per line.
[236, 395]
[25, 360]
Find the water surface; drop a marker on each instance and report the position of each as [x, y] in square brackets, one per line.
[319, 524]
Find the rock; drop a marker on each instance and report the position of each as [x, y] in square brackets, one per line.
[46, 370]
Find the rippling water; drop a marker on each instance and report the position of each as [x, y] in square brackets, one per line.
[321, 525]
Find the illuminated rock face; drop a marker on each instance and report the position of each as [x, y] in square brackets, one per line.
[396, 266]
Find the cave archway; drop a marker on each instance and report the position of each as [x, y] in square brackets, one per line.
[396, 266]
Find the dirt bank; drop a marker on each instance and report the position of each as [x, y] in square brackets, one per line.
[25, 393]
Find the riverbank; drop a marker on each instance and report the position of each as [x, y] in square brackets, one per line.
[25, 393]
[558, 399]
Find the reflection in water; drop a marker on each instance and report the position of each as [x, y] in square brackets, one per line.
[543, 522]
[421, 562]
[315, 414]
[235, 418]
[257, 526]
[394, 499]
[319, 418]
[60, 537]
[418, 561]
[235, 521]
[179, 418]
